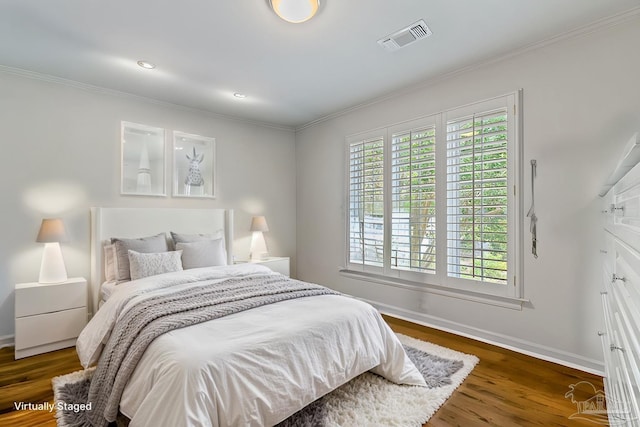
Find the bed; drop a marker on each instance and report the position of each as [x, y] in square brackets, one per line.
[279, 344]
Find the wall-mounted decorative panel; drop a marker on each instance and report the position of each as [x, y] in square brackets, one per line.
[142, 160]
[193, 165]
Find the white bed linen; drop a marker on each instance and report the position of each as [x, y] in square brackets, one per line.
[252, 368]
[106, 289]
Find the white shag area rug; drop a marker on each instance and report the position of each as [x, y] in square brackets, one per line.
[366, 400]
[371, 400]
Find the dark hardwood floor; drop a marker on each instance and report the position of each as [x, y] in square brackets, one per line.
[504, 389]
[29, 380]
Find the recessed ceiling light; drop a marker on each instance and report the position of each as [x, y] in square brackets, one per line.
[147, 65]
[240, 95]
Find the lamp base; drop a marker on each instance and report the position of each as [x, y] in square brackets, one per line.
[52, 269]
[258, 247]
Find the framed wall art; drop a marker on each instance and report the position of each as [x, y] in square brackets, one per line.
[142, 160]
[193, 165]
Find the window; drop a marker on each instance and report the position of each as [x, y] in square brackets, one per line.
[413, 200]
[433, 202]
[366, 202]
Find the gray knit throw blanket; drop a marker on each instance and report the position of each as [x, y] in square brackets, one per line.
[144, 322]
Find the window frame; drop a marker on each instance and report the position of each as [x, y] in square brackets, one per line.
[440, 280]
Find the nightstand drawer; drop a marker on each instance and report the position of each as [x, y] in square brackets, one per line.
[36, 330]
[34, 298]
[279, 265]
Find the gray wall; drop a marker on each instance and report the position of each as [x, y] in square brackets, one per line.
[581, 105]
[61, 155]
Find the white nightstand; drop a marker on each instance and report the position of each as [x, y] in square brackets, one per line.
[277, 264]
[49, 316]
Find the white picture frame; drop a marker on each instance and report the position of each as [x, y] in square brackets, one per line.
[142, 160]
[194, 164]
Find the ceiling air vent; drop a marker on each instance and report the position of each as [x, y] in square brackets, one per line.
[406, 36]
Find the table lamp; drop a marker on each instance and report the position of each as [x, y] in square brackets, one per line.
[258, 244]
[52, 269]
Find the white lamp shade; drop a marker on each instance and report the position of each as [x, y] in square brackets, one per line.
[259, 223]
[295, 11]
[51, 230]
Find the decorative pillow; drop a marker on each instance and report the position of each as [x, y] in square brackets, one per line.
[110, 263]
[151, 264]
[157, 243]
[203, 253]
[189, 238]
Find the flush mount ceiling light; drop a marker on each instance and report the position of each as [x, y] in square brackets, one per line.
[147, 65]
[295, 11]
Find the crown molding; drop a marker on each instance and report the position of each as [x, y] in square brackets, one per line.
[112, 92]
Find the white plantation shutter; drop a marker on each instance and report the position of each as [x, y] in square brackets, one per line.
[477, 197]
[366, 201]
[413, 200]
[433, 202]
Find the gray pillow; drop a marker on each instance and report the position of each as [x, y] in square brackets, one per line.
[188, 238]
[203, 253]
[152, 264]
[157, 243]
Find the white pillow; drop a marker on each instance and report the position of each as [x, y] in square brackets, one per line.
[110, 263]
[151, 264]
[203, 253]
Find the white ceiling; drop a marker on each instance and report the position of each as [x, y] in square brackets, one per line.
[292, 74]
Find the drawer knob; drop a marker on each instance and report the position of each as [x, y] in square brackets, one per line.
[614, 208]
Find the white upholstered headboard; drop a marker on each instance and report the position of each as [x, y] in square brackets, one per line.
[140, 222]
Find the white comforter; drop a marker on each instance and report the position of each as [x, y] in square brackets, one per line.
[253, 368]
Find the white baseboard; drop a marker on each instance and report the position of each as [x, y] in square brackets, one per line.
[7, 341]
[518, 345]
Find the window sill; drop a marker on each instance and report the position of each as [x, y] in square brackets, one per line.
[495, 300]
